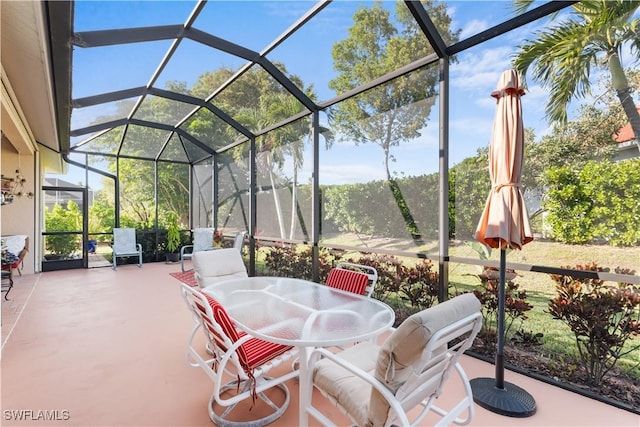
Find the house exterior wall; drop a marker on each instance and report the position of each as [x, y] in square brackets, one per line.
[19, 217]
[627, 150]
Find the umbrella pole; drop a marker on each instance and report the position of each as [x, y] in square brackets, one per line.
[501, 310]
[494, 394]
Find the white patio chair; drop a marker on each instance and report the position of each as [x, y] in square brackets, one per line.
[238, 240]
[202, 241]
[357, 278]
[239, 356]
[379, 385]
[215, 266]
[124, 245]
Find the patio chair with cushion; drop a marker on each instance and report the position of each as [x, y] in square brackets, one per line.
[17, 245]
[239, 356]
[215, 266]
[202, 241]
[124, 245]
[357, 278]
[379, 385]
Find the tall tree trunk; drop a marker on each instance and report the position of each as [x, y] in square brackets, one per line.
[294, 202]
[409, 222]
[621, 85]
[276, 197]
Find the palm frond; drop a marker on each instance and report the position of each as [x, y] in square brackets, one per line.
[560, 58]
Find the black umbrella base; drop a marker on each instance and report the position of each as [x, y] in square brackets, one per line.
[511, 400]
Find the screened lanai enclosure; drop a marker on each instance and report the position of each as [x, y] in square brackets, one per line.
[342, 129]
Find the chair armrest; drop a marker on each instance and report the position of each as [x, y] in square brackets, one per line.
[184, 248]
[139, 246]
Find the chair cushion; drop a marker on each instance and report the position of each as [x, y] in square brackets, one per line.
[202, 239]
[403, 349]
[254, 352]
[344, 388]
[347, 280]
[222, 318]
[219, 262]
[14, 244]
[259, 352]
[124, 241]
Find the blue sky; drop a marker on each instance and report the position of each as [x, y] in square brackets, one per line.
[308, 54]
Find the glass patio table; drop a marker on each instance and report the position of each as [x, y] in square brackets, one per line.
[301, 313]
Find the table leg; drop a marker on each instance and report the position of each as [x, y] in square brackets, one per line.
[304, 379]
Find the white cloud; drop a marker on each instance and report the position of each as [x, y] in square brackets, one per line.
[478, 72]
[473, 27]
[486, 103]
[473, 126]
[484, 82]
[495, 59]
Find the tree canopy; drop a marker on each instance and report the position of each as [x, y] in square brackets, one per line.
[561, 57]
[376, 45]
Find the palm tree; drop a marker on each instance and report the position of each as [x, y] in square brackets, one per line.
[562, 56]
[275, 146]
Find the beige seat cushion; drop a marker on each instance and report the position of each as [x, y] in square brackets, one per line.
[217, 265]
[344, 388]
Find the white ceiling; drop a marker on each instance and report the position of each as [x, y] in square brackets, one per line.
[27, 90]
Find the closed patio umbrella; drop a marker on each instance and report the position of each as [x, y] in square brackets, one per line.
[505, 224]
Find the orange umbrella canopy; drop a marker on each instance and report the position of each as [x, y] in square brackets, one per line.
[505, 220]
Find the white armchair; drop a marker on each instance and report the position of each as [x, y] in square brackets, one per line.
[379, 386]
[124, 245]
[215, 266]
[202, 241]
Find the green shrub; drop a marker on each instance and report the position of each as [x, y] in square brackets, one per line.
[599, 202]
[287, 260]
[61, 219]
[515, 306]
[419, 284]
[602, 318]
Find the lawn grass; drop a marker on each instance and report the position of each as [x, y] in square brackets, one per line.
[558, 339]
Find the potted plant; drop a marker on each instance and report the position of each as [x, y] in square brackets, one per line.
[218, 238]
[173, 237]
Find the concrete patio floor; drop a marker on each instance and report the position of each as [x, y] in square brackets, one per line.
[106, 348]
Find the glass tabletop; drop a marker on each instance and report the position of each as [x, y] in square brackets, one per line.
[299, 312]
